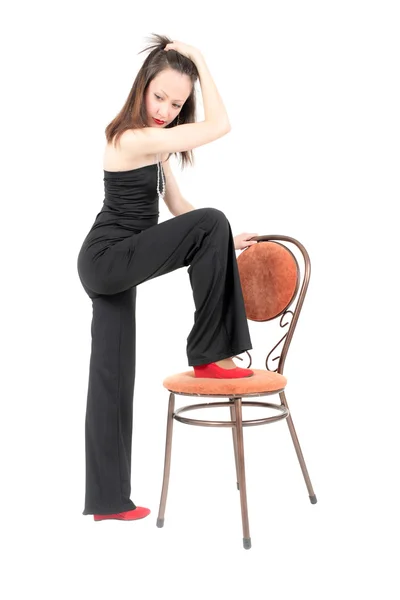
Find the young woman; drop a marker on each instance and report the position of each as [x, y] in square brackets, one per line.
[127, 246]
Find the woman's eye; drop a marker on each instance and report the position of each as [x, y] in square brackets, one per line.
[159, 98]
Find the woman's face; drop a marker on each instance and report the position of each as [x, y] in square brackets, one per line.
[165, 96]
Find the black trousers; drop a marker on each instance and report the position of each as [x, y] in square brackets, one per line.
[201, 239]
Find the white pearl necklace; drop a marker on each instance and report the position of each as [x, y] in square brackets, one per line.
[161, 194]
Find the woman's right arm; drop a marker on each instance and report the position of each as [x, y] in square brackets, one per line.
[152, 140]
[214, 109]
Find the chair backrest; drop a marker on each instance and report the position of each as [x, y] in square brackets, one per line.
[272, 282]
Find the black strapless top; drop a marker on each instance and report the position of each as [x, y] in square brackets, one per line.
[130, 204]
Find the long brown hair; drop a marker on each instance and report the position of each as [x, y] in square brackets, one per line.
[133, 113]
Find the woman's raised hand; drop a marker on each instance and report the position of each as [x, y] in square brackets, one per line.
[188, 51]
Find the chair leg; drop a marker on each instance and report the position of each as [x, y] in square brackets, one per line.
[167, 460]
[299, 453]
[234, 436]
[242, 474]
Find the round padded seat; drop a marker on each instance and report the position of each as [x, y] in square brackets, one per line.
[262, 382]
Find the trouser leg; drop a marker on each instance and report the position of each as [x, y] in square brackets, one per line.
[202, 239]
[108, 425]
[220, 327]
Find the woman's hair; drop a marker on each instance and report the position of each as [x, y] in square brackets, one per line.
[133, 113]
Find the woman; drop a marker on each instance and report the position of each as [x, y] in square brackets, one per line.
[126, 246]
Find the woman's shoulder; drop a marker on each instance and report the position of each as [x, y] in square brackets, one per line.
[118, 158]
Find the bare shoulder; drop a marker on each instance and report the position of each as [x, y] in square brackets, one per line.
[131, 143]
[127, 154]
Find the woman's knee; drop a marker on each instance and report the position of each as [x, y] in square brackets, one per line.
[215, 214]
[215, 218]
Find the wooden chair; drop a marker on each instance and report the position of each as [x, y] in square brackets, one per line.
[272, 282]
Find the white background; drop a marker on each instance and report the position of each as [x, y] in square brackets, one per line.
[312, 92]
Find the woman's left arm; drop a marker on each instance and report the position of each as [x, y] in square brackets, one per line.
[177, 205]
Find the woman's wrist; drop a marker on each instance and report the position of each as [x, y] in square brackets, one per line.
[197, 57]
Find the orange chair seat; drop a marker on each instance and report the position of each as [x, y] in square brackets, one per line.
[262, 382]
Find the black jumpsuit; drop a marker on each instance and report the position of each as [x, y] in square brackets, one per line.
[125, 247]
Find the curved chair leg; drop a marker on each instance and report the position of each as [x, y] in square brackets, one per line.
[234, 436]
[242, 474]
[167, 460]
[299, 453]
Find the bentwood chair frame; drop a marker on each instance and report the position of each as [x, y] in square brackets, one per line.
[261, 386]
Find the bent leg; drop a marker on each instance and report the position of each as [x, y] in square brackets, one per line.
[202, 239]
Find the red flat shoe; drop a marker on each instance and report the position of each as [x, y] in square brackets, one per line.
[213, 371]
[130, 515]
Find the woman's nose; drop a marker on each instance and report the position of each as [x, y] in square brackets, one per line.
[163, 113]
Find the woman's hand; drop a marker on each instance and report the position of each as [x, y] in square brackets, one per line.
[188, 51]
[243, 240]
